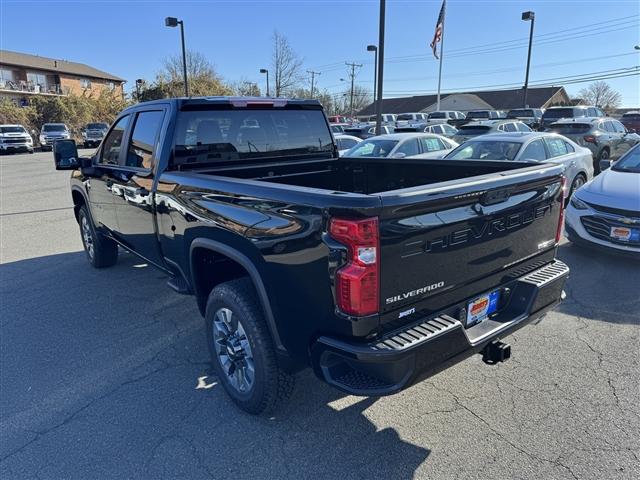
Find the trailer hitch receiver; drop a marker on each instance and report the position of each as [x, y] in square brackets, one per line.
[496, 352]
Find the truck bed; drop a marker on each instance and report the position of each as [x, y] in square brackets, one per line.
[365, 176]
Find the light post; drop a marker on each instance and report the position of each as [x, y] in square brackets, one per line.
[380, 74]
[374, 49]
[528, 16]
[174, 22]
[264, 70]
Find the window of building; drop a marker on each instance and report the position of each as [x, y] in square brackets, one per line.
[111, 86]
[85, 83]
[6, 76]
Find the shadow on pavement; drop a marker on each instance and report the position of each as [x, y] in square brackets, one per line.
[99, 376]
[589, 291]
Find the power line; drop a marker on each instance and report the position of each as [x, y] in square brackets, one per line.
[353, 66]
[313, 77]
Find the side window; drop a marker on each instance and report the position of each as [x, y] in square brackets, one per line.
[522, 127]
[345, 143]
[500, 128]
[431, 144]
[448, 129]
[113, 142]
[409, 148]
[618, 127]
[591, 112]
[599, 112]
[608, 126]
[557, 146]
[569, 148]
[510, 127]
[143, 139]
[534, 151]
[436, 129]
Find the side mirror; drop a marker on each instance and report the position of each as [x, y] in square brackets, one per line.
[604, 164]
[399, 155]
[65, 155]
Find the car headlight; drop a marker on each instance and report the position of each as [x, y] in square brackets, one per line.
[29, 140]
[42, 139]
[578, 204]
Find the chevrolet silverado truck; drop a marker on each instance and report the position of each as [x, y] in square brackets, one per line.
[374, 272]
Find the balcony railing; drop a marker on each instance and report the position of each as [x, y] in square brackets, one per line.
[32, 88]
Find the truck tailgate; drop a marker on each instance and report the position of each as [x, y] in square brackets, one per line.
[440, 238]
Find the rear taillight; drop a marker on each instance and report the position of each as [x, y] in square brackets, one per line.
[562, 202]
[590, 138]
[357, 282]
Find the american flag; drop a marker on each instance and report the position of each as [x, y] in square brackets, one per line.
[437, 36]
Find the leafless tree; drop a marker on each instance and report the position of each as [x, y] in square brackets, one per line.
[286, 64]
[601, 94]
[362, 97]
[246, 88]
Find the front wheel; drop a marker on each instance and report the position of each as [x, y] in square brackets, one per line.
[242, 351]
[579, 181]
[101, 251]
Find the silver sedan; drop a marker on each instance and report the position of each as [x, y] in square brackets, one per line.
[531, 147]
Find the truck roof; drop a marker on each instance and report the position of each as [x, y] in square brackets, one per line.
[231, 100]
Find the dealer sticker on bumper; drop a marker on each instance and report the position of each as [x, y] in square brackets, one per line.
[482, 307]
[625, 234]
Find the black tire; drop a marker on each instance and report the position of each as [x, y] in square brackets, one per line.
[101, 251]
[577, 183]
[603, 155]
[270, 385]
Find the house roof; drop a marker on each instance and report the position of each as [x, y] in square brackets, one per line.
[54, 65]
[537, 97]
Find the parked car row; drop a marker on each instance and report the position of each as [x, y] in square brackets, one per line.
[16, 138]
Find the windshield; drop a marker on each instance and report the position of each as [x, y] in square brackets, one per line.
[206, 136]
[473, 130]
[569, 128]
[97, 126]
[437, 115]
[629, 163]
[520, 113]
[478, 115]
[563, 113]
[54, 127]
[486, 150]
[374, 147]
[404, 117]
[12, 130]
[631, 116]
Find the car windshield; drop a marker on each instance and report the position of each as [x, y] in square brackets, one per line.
[520, 113]
[473, 129]
[485, 150]
[54, 127]
[97, 126]
[569, 128]
[478, 115]
[374, 147]
[629, 163]
[12, 130]
[212, 136]
[562, 113]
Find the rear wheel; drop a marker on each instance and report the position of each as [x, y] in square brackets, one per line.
[242, 351]
[101, 251]
[604, 155]
[579, 181]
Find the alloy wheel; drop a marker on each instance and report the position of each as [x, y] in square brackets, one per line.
[233, 350]
[87, 237]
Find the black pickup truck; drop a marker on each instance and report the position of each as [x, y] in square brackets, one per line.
[375, 272]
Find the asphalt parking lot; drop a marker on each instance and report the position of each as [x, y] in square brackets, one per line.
[104, 375]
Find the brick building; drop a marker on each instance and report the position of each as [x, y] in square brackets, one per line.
[23, 75]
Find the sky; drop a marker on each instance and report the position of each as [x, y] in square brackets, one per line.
[485, 41]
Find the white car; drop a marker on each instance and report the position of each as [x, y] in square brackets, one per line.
[345, 142]
[401, 145]
[531, 147]
[605, 213]
[14, 138]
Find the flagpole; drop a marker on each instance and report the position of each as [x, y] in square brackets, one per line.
[441, 55]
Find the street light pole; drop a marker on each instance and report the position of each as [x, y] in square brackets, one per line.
[264, 70]
[373, 48]
[380, 69]
[528, 16]
[174, 22]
